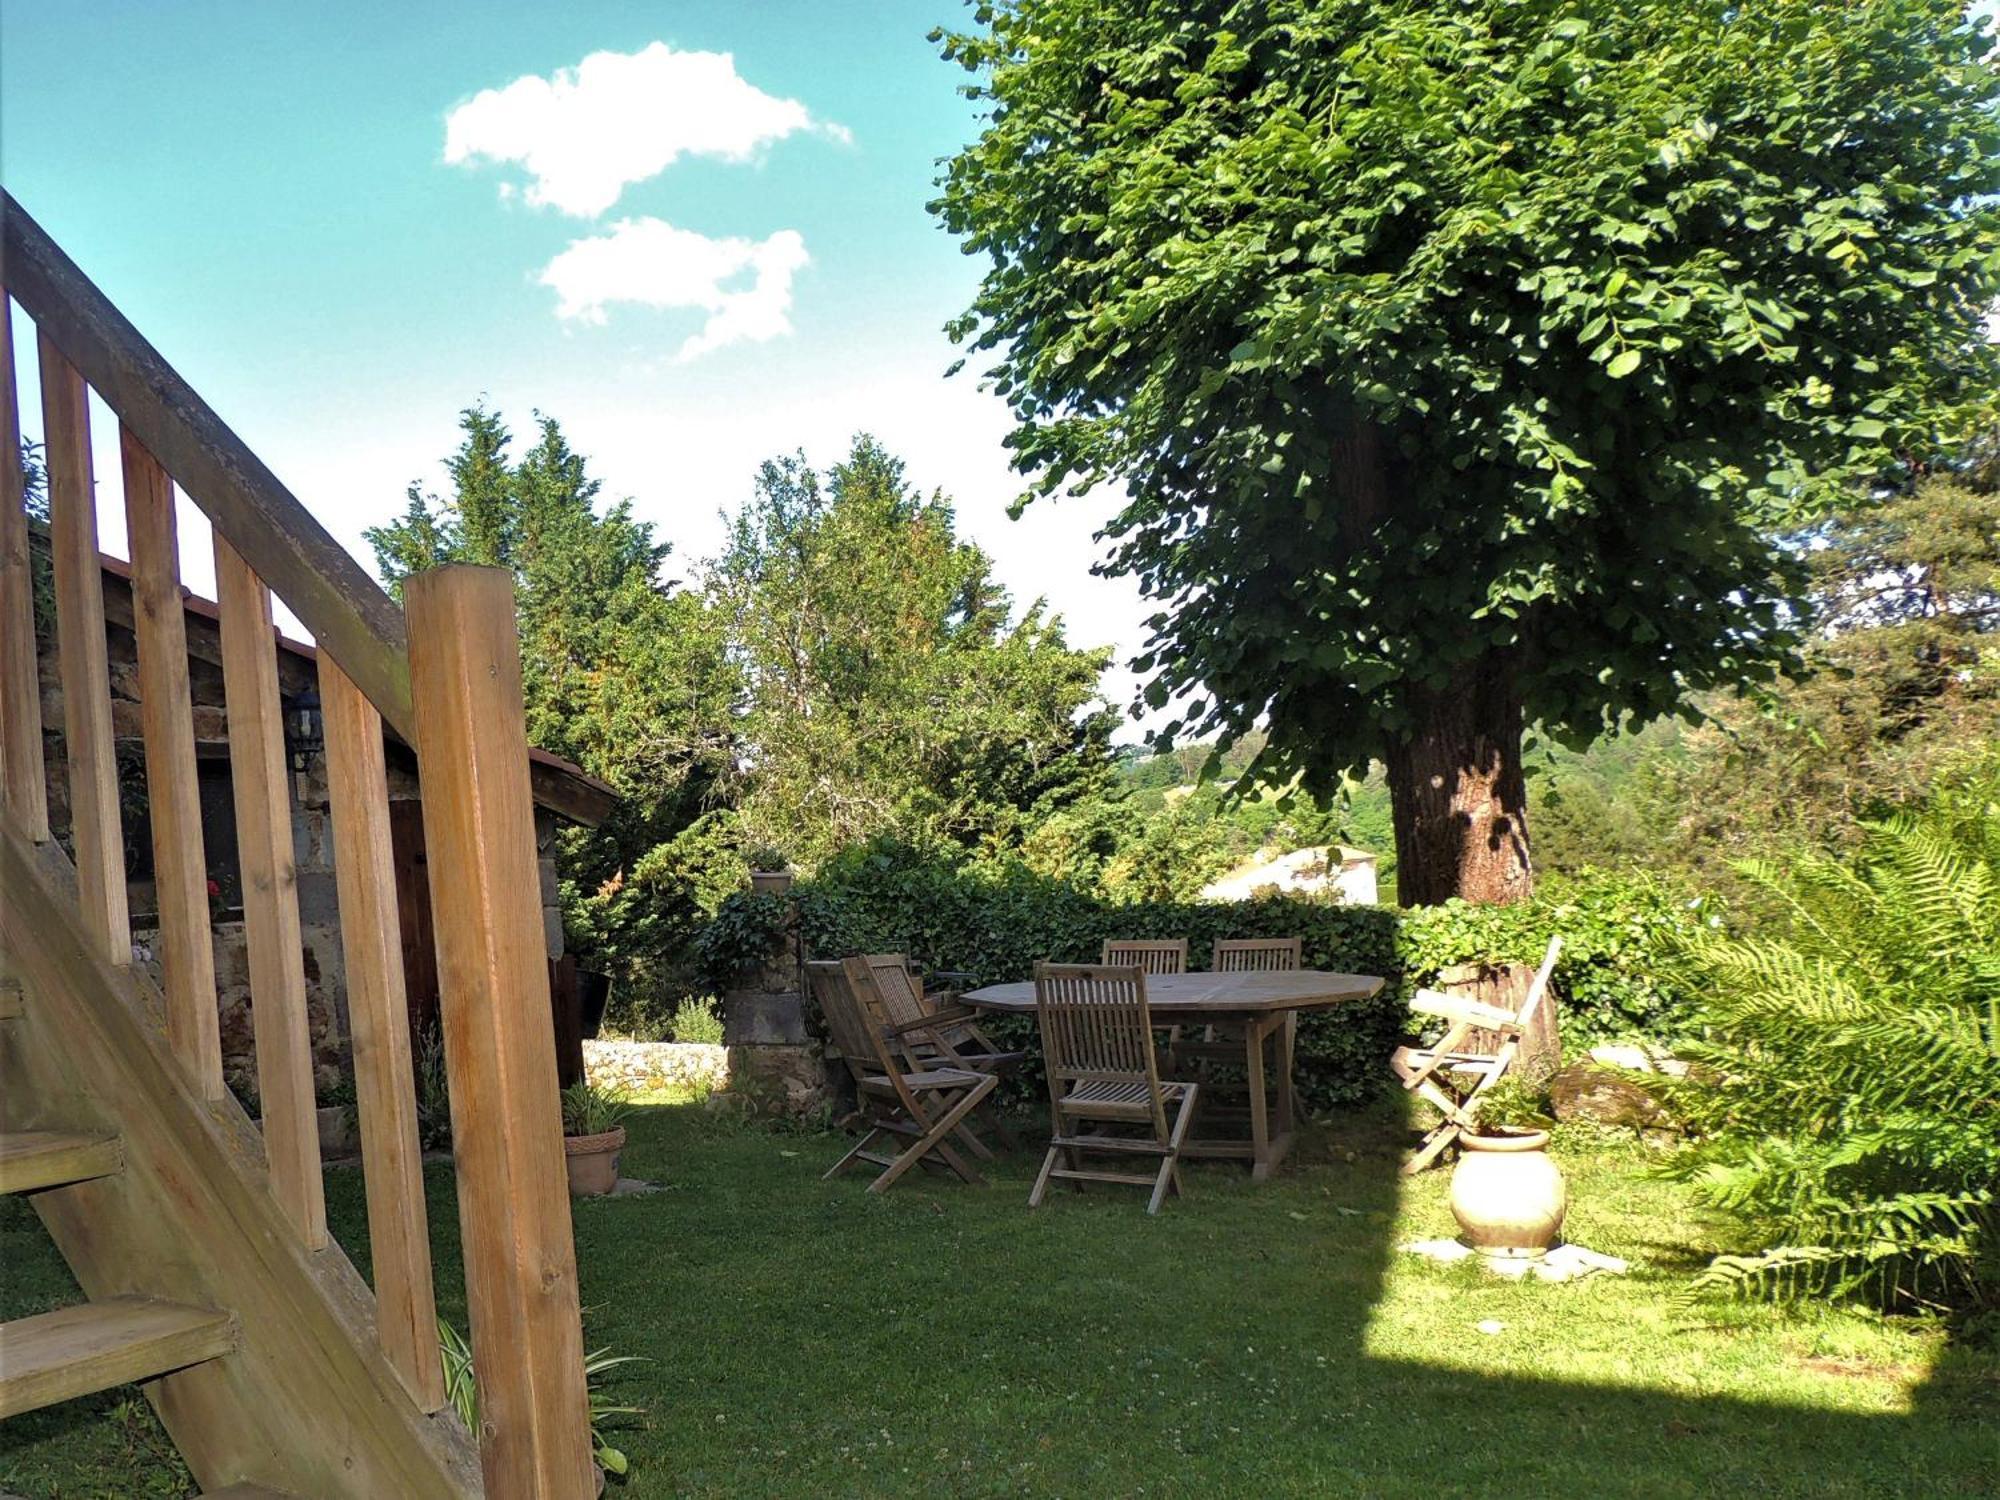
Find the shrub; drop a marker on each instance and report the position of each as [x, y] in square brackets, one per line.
[1853, 1112]
[996, 918]
[695, 1020]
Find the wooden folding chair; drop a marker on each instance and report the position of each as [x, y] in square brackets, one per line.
[1451, 1078]
[1097, 1042]
[952, 1039]
[899, 1098]
[1218, 1058]
[1154, 955]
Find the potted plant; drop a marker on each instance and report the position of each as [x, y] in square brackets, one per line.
[592, 1138]
[770, 873]
[1509, 1198]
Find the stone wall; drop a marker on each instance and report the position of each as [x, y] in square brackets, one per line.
[649, 1067]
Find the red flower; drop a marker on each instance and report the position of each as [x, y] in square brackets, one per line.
[215, 888]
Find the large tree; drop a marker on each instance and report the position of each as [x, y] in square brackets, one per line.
[625, 671]
[1460, 359]
[890, 688]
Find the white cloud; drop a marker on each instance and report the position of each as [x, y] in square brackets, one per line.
[649, 262]
[585, 134]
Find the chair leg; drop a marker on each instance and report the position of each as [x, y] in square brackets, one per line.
[853, 1156]
[973, 1143]
[935, 1137]
[1041, 1186]
[1433, 1147]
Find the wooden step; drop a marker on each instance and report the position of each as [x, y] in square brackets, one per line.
[73, 1351]
[31, 1159]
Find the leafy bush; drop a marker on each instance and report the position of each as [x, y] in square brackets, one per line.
[1852, 1114]
[695, 1020]
[996, 918]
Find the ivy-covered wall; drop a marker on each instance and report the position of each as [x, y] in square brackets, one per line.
[996, 922]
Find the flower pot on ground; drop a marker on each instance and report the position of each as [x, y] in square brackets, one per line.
[1508, 1197]
[593, 1137]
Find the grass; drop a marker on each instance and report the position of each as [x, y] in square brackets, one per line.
[808, 1338]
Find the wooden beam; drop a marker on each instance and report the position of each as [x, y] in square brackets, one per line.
[347, 612]
[270, 893]
[378, 1017]
[520, 1262]
[74, 1351]
[23, 779]
[166, 710]
[32, 1159]
[86, 681]
[307, 1404]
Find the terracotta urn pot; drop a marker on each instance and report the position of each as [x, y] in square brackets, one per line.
[1508, 1197]
[593, 1162]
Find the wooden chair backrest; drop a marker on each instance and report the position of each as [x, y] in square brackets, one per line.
[1539, 986]
[845, 1019]
[871, 1013]
[1256, 955]
[1096, 1024]
[902, 996]
[1154, 955]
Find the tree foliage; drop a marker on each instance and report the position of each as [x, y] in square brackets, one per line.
[1901, 683]
[1489, 337]
[889, 688]
[625, 672]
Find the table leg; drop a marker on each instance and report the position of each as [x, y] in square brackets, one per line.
[1253, 1066]
[1288, 1036]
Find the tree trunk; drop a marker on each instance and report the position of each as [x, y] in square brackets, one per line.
[1458, 796]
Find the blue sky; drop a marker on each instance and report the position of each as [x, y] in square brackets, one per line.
[693, 262]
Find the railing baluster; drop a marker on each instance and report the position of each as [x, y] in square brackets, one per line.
[270, 892]
[166, 712]
[86, 680]
[513, 1204]
[378, 1019]
[22, 776]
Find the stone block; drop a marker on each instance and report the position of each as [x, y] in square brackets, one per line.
[755, 1019]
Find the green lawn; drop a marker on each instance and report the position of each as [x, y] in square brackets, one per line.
[808, 1339]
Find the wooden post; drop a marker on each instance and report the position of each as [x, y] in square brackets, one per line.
[513, 1204]
[22, 776]
[270, 892]
[180, 865]
[86, 679]
[377, 1012]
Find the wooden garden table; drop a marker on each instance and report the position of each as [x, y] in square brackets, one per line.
[1264, 1004]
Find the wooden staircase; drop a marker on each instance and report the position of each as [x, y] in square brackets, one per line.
[198, 1236]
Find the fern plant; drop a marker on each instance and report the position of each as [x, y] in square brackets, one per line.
[1849, 1097]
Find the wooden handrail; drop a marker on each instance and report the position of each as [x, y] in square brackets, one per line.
[467, 724]
[349, 615]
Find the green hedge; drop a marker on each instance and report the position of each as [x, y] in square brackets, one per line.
[996, 920]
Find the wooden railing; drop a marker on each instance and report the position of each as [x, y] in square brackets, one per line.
[455, 697]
